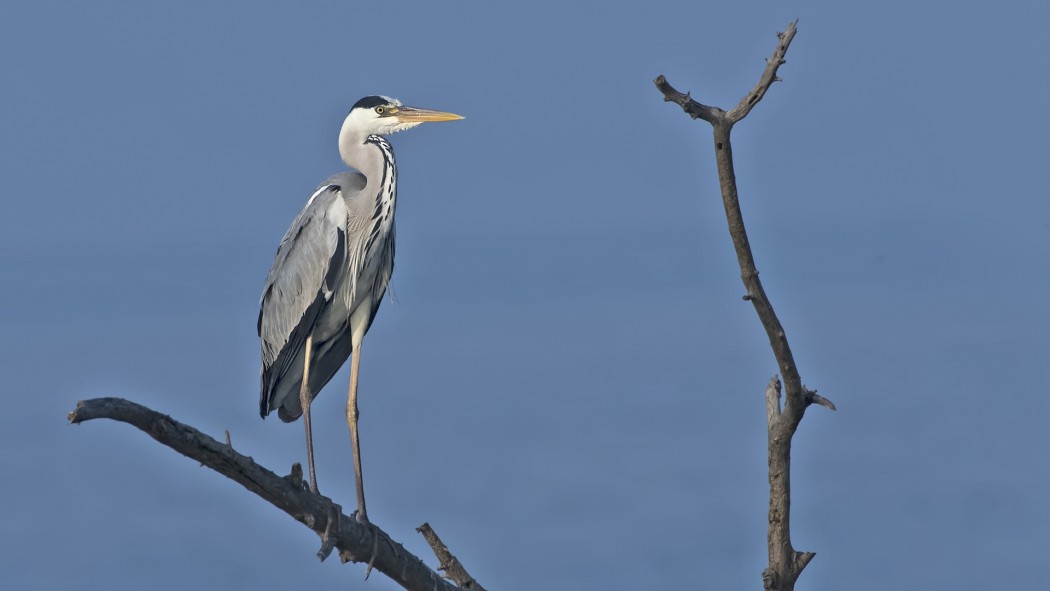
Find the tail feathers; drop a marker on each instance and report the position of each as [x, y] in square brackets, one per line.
[277, 396]
[290, 411]
[281, 393]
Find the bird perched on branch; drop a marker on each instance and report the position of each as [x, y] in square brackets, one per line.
[331, 271]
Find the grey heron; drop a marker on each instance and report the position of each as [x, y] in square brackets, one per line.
[331, 271]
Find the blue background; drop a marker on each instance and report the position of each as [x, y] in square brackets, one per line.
[567, 385]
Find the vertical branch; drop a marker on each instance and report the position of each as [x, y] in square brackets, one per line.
[785, 563]
[756, 294]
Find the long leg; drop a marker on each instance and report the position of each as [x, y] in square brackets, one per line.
[355, 441]
[304, 401]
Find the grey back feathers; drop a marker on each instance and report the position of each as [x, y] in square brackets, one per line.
[319, 277]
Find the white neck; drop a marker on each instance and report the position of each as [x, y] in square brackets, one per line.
[352, 144]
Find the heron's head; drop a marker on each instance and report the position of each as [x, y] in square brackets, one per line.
[382, 115]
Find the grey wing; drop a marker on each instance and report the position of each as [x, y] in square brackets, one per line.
[308, 267]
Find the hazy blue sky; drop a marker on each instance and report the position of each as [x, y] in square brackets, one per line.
[568, 385]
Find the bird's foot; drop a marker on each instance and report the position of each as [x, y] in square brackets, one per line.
[375, 540]
[331, 529]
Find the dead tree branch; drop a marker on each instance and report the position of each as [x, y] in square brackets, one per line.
[356, 542]
[448, 563]
[785, 563]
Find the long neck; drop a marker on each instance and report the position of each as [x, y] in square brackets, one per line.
[382, 180]
[373, 156]
[363, 151]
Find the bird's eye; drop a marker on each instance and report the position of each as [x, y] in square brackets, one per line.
[380, 110]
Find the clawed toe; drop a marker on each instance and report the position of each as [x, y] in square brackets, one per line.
[331, 530]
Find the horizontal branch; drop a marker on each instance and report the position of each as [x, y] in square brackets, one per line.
[694, 109]
[356, 542]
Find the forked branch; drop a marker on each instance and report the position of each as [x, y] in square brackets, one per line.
[785, 564]
[356, 542]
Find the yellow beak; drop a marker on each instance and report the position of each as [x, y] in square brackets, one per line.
[415, 115]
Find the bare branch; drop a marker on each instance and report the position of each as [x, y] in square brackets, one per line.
[769, 76]
[694, 109]
[812, 397]
[356, 542]
[716, 116]
[773, 400]
[448, 563]
[785, 564]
